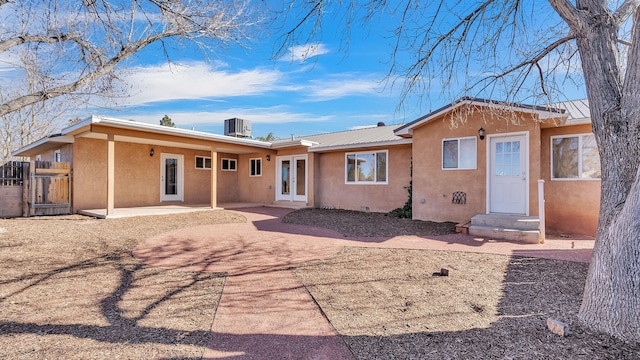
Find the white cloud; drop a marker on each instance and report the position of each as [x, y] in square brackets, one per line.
[199, 80]
[301, 53]
[343, 85]
[264, 115]
[9, 69]
[196, 81]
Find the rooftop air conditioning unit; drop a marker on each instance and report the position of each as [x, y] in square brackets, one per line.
[237, 127]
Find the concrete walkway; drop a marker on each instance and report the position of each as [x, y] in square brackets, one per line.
[265, 312]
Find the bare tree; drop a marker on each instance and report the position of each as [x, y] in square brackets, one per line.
[525, 50]
[29, 123]
[74, 49]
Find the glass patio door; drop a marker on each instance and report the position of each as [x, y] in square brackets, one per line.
[171, 178]
[291, 178]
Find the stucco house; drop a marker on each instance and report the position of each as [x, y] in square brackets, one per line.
[522, 154]
[457, 171]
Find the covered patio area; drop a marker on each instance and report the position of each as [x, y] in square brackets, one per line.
[178, 209]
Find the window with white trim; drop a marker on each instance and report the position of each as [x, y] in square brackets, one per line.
[366, 167]
[575, 157]
[203, 162]
[57, 156]
[459, 154]
[255, 167]
[229, 164]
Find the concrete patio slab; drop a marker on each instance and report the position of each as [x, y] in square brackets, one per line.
[177, 209]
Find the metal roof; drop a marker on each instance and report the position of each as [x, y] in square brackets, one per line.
[576, 109]
[364, 137]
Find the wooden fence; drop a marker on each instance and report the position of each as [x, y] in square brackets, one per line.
[12, 179]
[36, 188]
[11, 173]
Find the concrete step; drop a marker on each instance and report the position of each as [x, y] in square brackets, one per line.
[493, 232]
[505, 221]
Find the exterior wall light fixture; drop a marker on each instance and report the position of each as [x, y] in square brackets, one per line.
[151, 152]
[268, 157]
[481, 133]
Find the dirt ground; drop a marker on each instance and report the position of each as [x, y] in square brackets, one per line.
[70, 289]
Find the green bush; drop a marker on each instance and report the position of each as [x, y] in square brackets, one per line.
[406, 211]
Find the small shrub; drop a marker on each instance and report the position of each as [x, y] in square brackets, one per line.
[405, 212]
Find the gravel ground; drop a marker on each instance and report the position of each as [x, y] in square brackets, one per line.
[70, 289]
[367, 224]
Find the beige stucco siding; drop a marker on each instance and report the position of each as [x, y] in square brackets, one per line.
[571, 205]
[433, 187]
[258, 189]
[137, 175]
[228, 187]
[333, 191]
[89, 174]
[66, 154]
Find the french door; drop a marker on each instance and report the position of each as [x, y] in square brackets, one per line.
[291, 178]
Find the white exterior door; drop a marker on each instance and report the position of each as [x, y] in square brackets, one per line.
[171, 177]
[508, 174]
[291, 178]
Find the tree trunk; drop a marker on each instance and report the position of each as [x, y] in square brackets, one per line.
[611, 300]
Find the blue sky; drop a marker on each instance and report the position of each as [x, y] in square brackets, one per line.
[329, 89]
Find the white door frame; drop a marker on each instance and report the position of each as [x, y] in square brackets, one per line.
[489, 160]
[292, 178]
[179, 196]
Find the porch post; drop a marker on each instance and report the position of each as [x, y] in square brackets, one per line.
[214, 178]
[541, 214]
[110, 173]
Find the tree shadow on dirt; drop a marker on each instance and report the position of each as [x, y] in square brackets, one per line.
[107, 306]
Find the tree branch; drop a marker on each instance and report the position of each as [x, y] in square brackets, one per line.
[568, 13]
[625, 10]
[91, 76]
[534, 61]
[26, 38]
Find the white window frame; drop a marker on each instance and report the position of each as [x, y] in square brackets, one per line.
[57, 156]
[258, 167]
[580, 162]
[362, 182]
[475, 147]
[229, 162]
[204, 162]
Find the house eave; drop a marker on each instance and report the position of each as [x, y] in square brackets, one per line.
[361, 145]
[293, 143]
[543, 113]
[159, 129]
[43, 145]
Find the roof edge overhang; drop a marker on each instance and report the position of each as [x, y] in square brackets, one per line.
[362, 145]
[159, 129]
[542, 112]
[293, 143]
[83, 127]
[43, 144]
